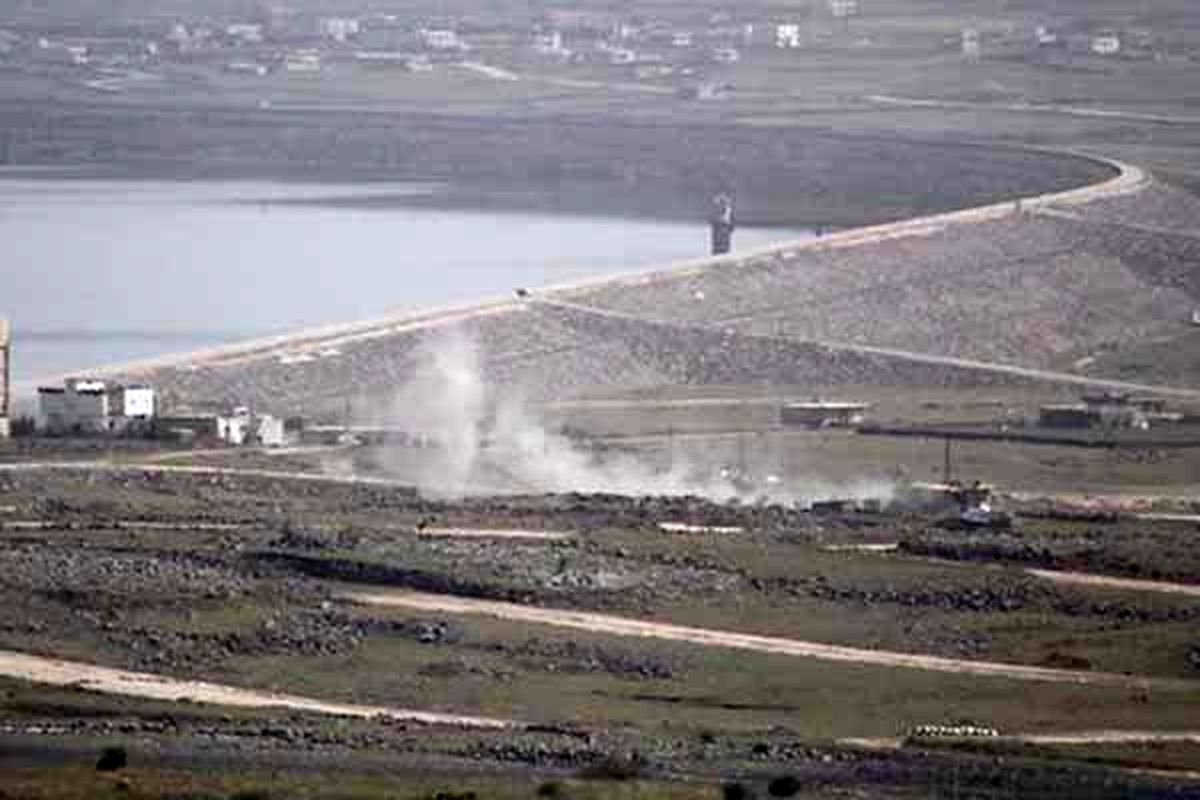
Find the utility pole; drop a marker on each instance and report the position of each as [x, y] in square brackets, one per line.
[947, 472]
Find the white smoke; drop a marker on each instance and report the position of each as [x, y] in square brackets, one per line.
[489, 442]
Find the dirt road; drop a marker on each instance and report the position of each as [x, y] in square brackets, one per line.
[1105, 582]
[1064, 738]
[53, 671]
[1033, 108]
[621, 626]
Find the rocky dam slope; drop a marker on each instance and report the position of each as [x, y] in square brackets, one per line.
[1043, 282]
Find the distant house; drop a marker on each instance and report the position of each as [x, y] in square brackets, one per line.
[726, 55]
[8, 42]
[381, 57]
[50, 52]
[583, 21]
[972, 47]
[85, 406]
[787, 36]
[441, 39]
[238, 428]
[302, 61]
[246, 68]
[550, 44]
[1045, 37]
[270, 431]
[245, 32]
[339, 29]
[1106, 44]
[621, 55]
[713, 90]
[134, 402]
[843, 9]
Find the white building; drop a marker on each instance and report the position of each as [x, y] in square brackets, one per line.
[245, 32]
[79, 406]
[726, 55]
[618, 56]
[441, 39]
[302, 61]
[550, 44]
[243, 427]
[1106, 44]
[269, 431]
[134, 402]
[48, 52]
[246, 68]
[971, 46]
[338, 28]
[233, 429]
[787, 36]
[92, 406]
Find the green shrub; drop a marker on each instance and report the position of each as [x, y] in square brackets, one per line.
[614, 768]
[783, 786]
[112, 759]
[736, 791]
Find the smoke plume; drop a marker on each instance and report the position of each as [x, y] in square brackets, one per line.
[482, 440]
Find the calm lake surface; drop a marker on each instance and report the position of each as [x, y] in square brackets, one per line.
[104, 271]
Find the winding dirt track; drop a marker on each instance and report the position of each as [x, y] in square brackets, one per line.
[622, 626]
[1063, 738]
[56, 672]
[1105, 582]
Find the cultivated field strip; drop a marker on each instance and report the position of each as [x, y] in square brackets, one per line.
[90, 677]
[621, 626]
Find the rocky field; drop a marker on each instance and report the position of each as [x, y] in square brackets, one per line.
[249, 581]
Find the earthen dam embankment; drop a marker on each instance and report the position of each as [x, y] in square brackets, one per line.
[1031, 283]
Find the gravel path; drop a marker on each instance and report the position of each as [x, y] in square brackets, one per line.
[56, 672]
[1105, 582]
[621, 626]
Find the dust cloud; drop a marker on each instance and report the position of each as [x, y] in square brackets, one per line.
[482, 440]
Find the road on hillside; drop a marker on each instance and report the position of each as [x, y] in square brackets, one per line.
[623, 626]
[57, 672]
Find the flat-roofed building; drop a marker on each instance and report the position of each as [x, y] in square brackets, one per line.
[86, 406]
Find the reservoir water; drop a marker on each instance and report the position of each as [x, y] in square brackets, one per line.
[103, 271]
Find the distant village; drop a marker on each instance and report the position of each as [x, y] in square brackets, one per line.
[689, 57]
